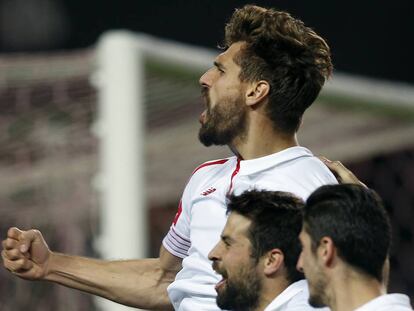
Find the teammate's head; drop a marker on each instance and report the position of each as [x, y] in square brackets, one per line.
[280, 61]
[343, 225]
[259, 243]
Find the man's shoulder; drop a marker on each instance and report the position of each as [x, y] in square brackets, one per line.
[296, 160]
[213, 164]
[293, 298]
[307, 168]
[389, 302]
[301, 177]
[209, 172]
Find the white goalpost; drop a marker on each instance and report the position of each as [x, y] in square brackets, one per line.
[121, 132]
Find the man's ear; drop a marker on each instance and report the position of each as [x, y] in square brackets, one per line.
[273, 261]
[326, 251]
[256, 92]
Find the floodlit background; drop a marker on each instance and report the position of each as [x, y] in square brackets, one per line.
[50, 150]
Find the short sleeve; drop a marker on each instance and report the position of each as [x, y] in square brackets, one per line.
[177, 241]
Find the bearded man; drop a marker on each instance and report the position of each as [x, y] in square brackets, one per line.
[257, 254]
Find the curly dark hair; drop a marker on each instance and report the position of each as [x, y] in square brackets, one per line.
[280, 49]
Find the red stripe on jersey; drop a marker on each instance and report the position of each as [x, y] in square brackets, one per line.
[222, 161]
[210, 163]
[236, 170]
[180, 209]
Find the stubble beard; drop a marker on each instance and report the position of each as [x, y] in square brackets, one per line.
[317, 296]
[225, 122]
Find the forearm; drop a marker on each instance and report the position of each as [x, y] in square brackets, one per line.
[138, 283]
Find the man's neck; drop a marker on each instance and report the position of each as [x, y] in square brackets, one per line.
[351, 290]
[262, 140]
[270, 290]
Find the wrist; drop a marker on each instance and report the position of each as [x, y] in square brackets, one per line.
[51, 266]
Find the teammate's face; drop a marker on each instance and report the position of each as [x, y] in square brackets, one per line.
[241, 284]
[225, 115]
[309, 265]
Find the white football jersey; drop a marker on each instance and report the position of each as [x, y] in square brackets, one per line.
[201, 214]
[293, 298]
[390, 302]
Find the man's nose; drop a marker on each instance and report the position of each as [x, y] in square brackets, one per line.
[214, 254]
[299, 265]
[206, 79]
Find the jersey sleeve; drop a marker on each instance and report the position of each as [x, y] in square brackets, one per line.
[177, 241]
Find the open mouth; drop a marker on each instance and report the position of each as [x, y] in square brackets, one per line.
[205, 101]
[220, 284]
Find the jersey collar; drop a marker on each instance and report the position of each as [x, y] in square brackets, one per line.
[263, 163]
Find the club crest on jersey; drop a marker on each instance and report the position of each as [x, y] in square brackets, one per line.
[208, 191]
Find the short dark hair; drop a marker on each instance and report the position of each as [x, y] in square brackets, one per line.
[276, 221]
[280, 49]
[356, 221]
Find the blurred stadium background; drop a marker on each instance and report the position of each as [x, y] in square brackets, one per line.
[49, 150]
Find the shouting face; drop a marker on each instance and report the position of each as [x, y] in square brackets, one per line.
[241, 284]
[225, 116]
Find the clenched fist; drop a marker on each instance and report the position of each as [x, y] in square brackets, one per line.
[26, 254]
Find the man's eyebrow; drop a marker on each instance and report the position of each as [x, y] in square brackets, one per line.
[226, 238]
[219, 65]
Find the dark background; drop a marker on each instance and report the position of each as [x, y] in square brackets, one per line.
[373, 38]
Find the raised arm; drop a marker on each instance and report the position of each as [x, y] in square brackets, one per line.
[140, 283]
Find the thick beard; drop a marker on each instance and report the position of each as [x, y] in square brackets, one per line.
[241, 294]
[226, 121]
